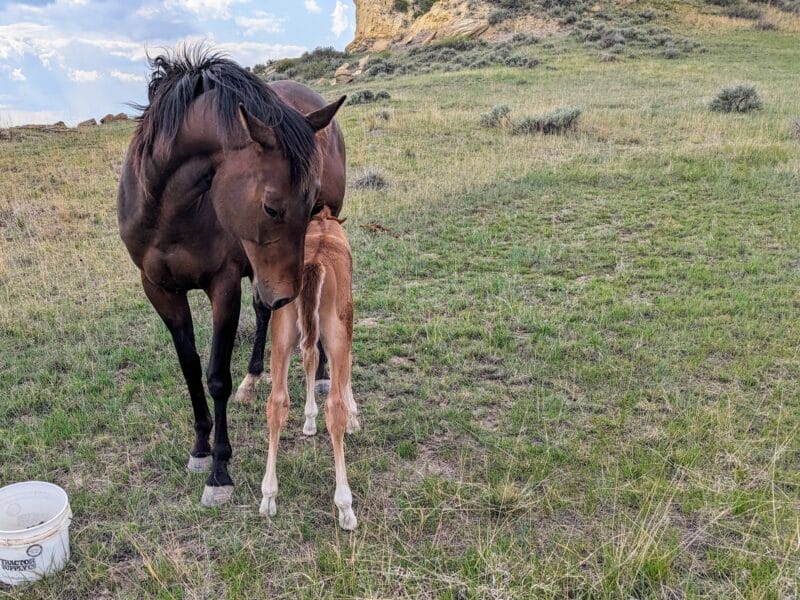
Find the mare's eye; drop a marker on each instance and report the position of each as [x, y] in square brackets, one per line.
[271, 212]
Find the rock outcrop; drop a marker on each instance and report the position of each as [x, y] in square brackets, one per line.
[381, 26]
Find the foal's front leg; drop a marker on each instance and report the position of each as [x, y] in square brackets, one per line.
[284, 339]
[225, 295]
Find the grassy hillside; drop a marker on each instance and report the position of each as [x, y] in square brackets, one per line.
[575, 356]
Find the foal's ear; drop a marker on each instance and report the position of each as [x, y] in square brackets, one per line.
[256, 130]
[319, 119]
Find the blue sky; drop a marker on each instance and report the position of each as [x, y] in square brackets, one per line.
[74, 59]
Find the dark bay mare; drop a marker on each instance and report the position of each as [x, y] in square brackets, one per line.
[219, 183]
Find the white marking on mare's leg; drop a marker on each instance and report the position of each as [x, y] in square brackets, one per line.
[247, 389]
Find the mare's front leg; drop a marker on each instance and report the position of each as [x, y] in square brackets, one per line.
[255, 370]
[225, 295]
[174, 311]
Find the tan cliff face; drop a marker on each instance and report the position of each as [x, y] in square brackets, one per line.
[379, 26]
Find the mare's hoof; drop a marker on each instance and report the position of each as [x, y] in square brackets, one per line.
[247, 389]
[310, 427]
[347, 520]
[199, 464]
[323, 386]
[216, 495]
[268, 508]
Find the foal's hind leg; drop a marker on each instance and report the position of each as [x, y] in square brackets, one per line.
[174, 311]
[310, 360]
[336, 410]
[255, 370]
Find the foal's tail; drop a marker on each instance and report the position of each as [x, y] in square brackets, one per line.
[310, 296]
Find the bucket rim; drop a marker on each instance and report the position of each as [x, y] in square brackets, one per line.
[59, 516]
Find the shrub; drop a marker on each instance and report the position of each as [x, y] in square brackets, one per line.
[670, 51]
[558, 121]
[499, 15]
[796, 127]
[743, 11]
[496, 117]
[367, 96]
[740, 98]
[764, 25]
[521, 61]
[370, 179]
[401, 5]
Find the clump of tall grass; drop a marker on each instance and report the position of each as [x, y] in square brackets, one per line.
[739, 98]
[557, 121]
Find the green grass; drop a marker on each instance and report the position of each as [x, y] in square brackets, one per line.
[575, 356]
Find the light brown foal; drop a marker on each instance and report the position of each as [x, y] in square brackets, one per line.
[322, 311]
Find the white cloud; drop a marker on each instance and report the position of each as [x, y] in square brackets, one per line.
[45, 43]
[251, 53]
[205, 9]
[11, 117]
[262, 24]
[312, 6]
[17, 75]
[83, 76]
[127, 77]
[340, 20]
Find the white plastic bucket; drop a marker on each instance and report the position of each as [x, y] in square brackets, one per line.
[34, 531]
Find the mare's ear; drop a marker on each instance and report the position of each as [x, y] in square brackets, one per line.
[319, 119]
[256, 130]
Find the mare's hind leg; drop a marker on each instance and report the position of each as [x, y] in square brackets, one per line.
[174, 311]
[322, 382]
[225, 295]
[284, 339]
[255, 370]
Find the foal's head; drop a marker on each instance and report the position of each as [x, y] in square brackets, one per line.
[259, 197]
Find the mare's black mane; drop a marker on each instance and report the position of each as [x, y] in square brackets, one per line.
[178, 78]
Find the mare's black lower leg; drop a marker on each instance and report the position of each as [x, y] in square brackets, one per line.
[256, 366]
[174, 311]
[225, 296]
[323, 381]
[247, 389]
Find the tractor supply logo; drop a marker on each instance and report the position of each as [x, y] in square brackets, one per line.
[34, 550]
[25, 564]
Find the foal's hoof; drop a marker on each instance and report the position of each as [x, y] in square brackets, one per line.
[310, 427]
[323, 386]
[247, 389]
[347, 520]
[216, 495]
[352, 423]
[268, 508]
[199, 464]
